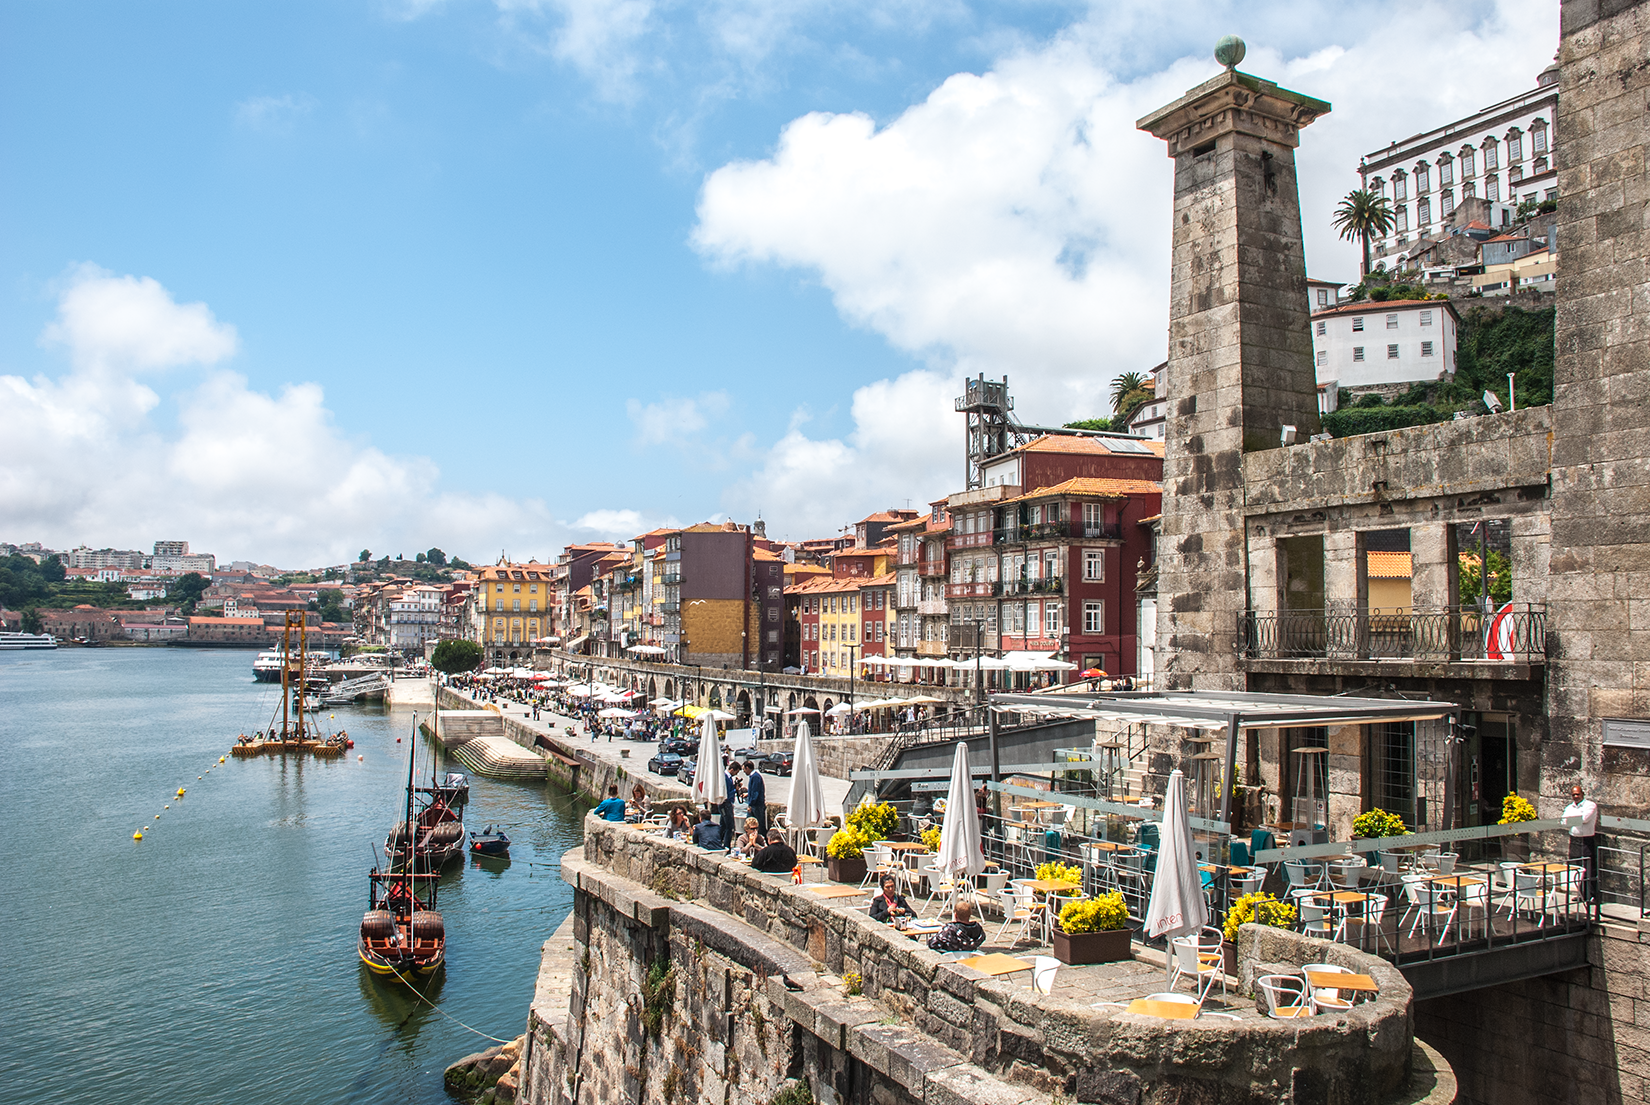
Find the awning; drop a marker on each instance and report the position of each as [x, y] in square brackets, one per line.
[1215, 710]
[579, 640]
[1020, 660]
[647, 650]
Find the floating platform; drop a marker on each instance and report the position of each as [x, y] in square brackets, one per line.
[319, 749]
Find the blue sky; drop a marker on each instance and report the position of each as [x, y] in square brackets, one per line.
[289, 280]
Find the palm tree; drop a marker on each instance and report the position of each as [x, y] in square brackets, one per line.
[1122, 386]
[1363, 214]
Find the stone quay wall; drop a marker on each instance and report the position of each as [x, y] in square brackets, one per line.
[756, 1000]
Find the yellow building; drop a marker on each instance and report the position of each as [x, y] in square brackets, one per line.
[840, 637]
[515, 602]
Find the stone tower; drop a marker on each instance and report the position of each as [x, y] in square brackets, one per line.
[1240, 350]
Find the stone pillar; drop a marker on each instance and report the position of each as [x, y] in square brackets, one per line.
[1432, 580]
[1240, 352]
[1600, 555]
[1346, 779]
[1340, 571]
[1531, 549]
[1265, 573]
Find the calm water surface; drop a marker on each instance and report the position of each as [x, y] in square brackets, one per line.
[215, 960]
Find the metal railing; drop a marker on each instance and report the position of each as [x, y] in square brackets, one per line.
[932, 568]
[942, 728]
[1516, 633]
[1054, 585]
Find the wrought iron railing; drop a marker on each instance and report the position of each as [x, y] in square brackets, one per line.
[1514, 633]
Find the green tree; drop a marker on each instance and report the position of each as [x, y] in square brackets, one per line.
[458, 563]
[331, 606]
[420, 558]
[453, 656]
[366, 555]
[1125, 385]
[436, 557]
[186, 591]
[1361, 216]
[1500, 579]
[52, 570]
[31, 621]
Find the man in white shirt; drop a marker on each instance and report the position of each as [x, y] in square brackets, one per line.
[1583, 842]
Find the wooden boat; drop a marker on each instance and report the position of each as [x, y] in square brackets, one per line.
[437, 828]
[490, 844]
[402, 934]
[295, 734]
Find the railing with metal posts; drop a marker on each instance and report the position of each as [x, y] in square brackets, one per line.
[968, 540]
[1052, 585]
[934, 567]
[943, 728]
[1514, 633]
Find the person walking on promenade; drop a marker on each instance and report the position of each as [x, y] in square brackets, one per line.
[727, 809]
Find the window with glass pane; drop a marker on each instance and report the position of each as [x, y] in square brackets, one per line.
[1094, 617]
[1051, 619]
[1094, 564]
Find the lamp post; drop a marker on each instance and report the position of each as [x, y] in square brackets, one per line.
[851, 666]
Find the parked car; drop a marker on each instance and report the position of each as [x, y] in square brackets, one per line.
[686, 771]
[665, 763]
[682, 746]
[773, 763]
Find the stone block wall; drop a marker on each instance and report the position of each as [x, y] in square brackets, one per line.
[1579, 1036]
[752, 949]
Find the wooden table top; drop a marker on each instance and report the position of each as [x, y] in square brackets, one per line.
[1051, 886]
[1451, 880]
[921, 928]
[1544, 867]
[800, 858]
[1327, 981]
[1172, 1010]
[1109, 845]
[1038, 804]
[840, 892]
[995, 964]
[902, 845]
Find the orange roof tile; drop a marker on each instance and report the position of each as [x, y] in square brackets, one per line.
[1389, 565]
[1094, 486]
[1092, 446]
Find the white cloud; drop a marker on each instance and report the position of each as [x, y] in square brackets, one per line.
[244, 474]
[610, 524]
[596, 37]
[124, 322]
[672, 419]
[274, 113]
[1015, 222]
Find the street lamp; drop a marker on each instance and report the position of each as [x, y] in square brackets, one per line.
[851, 666]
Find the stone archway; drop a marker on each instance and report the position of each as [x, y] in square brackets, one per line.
[670, 688]
[715, 702]
[652, 689]
[742, 704]
[790, 702]
[810, 702]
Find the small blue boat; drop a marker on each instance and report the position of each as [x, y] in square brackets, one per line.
[489, 843]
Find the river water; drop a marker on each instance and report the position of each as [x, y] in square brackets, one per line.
[215, 960]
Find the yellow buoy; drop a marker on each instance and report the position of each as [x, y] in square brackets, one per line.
[166, 807]
[220, 759]
[138, 835]
[157, 817]
[180, 792]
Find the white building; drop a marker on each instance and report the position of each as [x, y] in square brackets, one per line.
[204, 563]
[415, 617]
[1151, 419]
[84, 557]
[1503, 154]
[1368, 346]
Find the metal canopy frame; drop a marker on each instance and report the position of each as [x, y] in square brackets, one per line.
[1233, 711]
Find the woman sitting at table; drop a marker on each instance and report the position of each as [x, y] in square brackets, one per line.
[680, 824]
[751, 840]
[890, 903]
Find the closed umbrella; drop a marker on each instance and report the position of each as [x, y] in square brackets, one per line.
[1176, 906]
[709, 782]
[961, 854]
[806, 805]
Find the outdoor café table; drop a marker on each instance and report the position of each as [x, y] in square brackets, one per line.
[1172, 1010]
[1545, 868]
[921, 928]
[903, 845]
[1325, 980]
[838, 891]
[995, 964]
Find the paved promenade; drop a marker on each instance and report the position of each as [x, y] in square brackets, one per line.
[611, 750]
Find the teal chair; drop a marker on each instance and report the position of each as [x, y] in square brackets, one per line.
[1260, 840]
[1148, 835]
[1239, 853]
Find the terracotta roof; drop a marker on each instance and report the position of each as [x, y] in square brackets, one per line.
[1389, 565]
[259, 622]
[887, 579]
[1093, 446]
[1508, 238]
[1094, 487]
[1476, 225]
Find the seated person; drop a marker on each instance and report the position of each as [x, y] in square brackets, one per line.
[778, 857]
[679, 825]
[962, 934]
[750, 841]
[611, 808]
[707, 834]
[890, 903]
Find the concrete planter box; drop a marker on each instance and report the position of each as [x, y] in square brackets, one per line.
[1106, 946]
[846, 870]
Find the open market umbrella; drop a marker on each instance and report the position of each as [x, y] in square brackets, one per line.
[1176, 906]
[709, 781]
[806, 804]
[961, 852]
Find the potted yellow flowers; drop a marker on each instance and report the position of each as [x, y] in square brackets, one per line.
[1093, 930]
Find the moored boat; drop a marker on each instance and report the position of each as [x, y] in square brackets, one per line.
[490, 844]
[402, 935]
[437, 832]
[10, 641]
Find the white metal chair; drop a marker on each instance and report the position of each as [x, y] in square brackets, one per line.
[993, 881]
[1019, 906]
[1301, 875]
[878, 862]
[1428, 902]
[1204, 970]
[1372, 921]
[1326, 999]
[1315, 918]
[939, 882]
[1285, 995]
[1347, 874]
[1043, 969]
[1249, 883]
[1472, 897]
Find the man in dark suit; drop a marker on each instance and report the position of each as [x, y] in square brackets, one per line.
[727, 809]
[756, 796]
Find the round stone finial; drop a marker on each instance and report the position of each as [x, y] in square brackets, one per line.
[1229, 51]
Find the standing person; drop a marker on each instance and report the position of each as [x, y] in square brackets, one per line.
[1583, 842]
[727, 809]
[756, 796]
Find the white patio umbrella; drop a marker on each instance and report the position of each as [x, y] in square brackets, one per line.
[709, 782]
[961, 852]
[614, 711]
[1176, 906]
[806, 804]
[838, 710]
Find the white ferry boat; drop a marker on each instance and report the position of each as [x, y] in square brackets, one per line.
[12, 641]
[267, 667]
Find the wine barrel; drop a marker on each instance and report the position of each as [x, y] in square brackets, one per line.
[378, 924]
[427, 925]
[399, 835]
[446, 832]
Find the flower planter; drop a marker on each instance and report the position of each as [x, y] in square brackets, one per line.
[846, 870]
[1228, 956]
[1105, 946]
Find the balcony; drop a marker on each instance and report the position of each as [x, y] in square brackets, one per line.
[671, 579]
[968, 540]
[931, 648]
[983, 589]
[931, 568]
[1515, 634]
[667, 607]
[1052, 586]
[934, 608]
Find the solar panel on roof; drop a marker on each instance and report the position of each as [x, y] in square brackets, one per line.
[1126, 445]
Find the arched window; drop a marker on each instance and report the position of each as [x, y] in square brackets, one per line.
[1492, 188]
[1400, 219]
[1539, 166]
[1446, 203]
[1400, 186]
[1491, 160]
[1378, 186]
[1515, 146]
[1468, 157]
[1423, 179]
[1446, 170]
[1423, 213]
[1538, 136]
